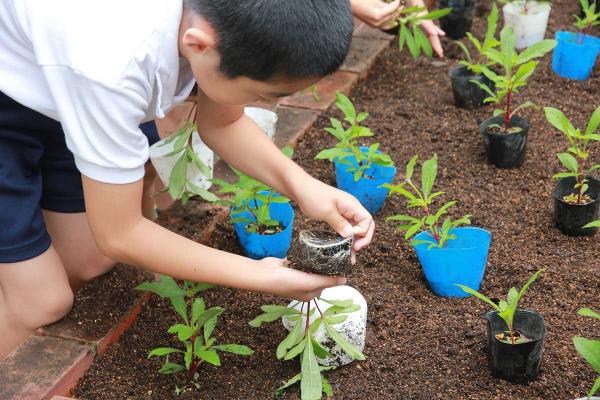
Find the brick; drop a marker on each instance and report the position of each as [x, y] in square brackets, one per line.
[363, 54]
[293, 123]
[374, 33]
[42, 367]
[326, 88]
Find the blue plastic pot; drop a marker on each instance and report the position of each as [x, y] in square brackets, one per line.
[367, 189]
[573, 60]
[462, 261]
[259, 246]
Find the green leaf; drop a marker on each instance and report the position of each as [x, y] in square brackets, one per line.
[197, 309]
[423, 42]
[335, 320]
[291, 340]
[529, 282]
[536, 51]
[203, 168]
[210, 356]
[410, 232]
[478, 295]
[209, 314]
[209, 327]
[351, 350]
[413, 46]
[327, 389]
[568, 161]
[203, 193]
[590, 350]
[170, 368]
[178, 178]
[594, 122]
[311, 385]
[163, 351]
[595, 388]
[331, 154]
[345, 105]
[339, 303]
[442, 210]
[320, 351]
[165, 287]
[184, 332]
[557, 119]
[428, 175]
[179, 305]
[279, 391]
[524, 72]
[235, 349]
[588, 312]
[410, 167]
[400, 190]
[294, 351]
[594, 224]
[273, 315]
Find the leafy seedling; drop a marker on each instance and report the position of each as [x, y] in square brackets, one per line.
[254, 198]
[411, 34]
[194, 332]
[590, 18]
[301, 342]
[489, 42]
[590, 349]
[517, 68]
[576, 157]
[423, 198]
[507, 309]
[347, 147]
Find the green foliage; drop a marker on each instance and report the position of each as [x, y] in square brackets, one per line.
[348, 147]
[302, 344]
[506, 308]
[411, 33]
[517, 68]
[593, 224]
[577, 155]
[254, 197]
[590, 349]
[180, 188]
[590, 18]
[489, 42]
[194, 331]
[423, 198]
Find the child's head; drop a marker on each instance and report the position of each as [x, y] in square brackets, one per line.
[246, 50]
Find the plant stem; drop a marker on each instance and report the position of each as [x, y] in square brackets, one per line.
[307, 328]
[195, 364]
[580, 179]
[318, 309]
[507, 114]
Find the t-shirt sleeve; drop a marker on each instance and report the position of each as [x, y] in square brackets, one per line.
[101, 125]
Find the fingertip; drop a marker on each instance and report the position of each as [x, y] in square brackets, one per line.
[341, 280]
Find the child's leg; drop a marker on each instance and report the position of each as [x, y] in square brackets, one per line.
[33, 293]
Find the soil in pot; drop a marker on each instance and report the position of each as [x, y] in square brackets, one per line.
[520, 362]
[505, 149]
[571, 217]
[459, 21]
[466, 93]
[322, 252]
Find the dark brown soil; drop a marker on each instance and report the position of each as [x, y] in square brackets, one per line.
[411, 110]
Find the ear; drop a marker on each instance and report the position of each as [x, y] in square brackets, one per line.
[198, 40]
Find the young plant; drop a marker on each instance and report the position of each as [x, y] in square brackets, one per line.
[423, 198]
[347, 146]
[301, 342]
[179, 186]
[194, 332]
[590, 349]
[506, 308]
[411, 33]
[489, 42]
[517, 70]
[254, 198]
[590, 19]
[577, 155]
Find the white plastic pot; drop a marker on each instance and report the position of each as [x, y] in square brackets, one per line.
[528, 19]
[354, 328]
[265, 119]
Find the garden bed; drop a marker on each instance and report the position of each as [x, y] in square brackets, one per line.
[419, 346]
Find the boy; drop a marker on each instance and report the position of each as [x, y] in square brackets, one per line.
[78, 78]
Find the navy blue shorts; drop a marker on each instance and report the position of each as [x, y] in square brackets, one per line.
[37, 172]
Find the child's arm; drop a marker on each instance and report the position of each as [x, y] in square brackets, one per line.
[241, 143]
[122, 234]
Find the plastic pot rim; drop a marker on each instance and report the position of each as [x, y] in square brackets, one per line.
[516, 9]
[524, 310]
[558, 36]
[555, 195]
[514, 118]
[471, 228]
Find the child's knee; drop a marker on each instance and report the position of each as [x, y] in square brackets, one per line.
[45, 307]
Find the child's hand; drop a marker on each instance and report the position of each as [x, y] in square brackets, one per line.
[376, 13]
[296, 284]
[342, 211]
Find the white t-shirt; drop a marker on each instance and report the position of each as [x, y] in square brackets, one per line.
[100, 68]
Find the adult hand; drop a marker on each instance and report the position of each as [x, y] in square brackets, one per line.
[376, 13]
[434, 33]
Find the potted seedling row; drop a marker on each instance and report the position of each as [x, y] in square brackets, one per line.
[576, 53]
[460, 19]
[505, 135]
[515, 337]
[590, 350]
[528, 19]
[262, 218]
[447, 252]
[467, 93]
[577, 194]
[194, 331]
[359, 170]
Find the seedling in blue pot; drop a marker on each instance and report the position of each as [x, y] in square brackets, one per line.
[575, 55]
[590, 350]
[262, 218]
[360, 170]
[577, 194]
[515, 338]
[447, 252]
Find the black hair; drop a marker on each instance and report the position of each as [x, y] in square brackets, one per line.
[263, 39]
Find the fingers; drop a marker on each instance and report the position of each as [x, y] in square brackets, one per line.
[434, 33]
[436, 45]
[366, 239]
[339, 224]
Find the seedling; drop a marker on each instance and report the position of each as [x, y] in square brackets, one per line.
[255, 198]
[517, 70]
[507, 309]
[489, 42]
[590, 19]
[180, 188]
[194, 332]
[577, 155]
[423, 198]
[347, 146]
[411, 33]
[590, 349]
[301, 342]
